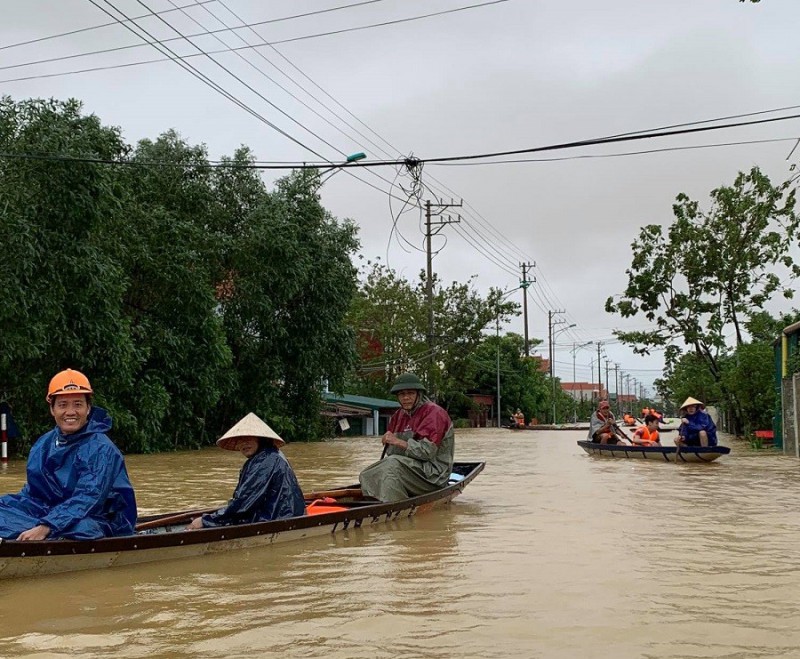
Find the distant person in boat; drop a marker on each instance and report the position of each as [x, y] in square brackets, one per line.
[696, 428]
[519, 419]
[419, 447]
[267, 487]
[647, 435]
[628, 419]
[603, 426]
[77, 485]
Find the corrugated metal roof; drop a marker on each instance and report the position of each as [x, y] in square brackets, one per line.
[364, 402]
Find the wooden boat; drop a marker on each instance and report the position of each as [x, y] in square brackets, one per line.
[658, 453]
[163, 537]
[550, 426]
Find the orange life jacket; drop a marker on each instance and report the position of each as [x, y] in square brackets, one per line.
[322, 506]
[644, 437]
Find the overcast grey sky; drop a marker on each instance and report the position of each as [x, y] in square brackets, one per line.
[510, 75]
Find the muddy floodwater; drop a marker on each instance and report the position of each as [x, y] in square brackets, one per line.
[548, 553]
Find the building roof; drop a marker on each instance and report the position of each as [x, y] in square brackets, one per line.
[364, 403]
[580, 386]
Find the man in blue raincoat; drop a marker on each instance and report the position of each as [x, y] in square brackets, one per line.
[267, 487]
[77, 485]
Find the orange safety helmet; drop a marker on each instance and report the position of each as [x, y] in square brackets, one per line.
[68, 382]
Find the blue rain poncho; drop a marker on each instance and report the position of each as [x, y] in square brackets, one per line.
[267, 490]
[698, 421]
[77, 485]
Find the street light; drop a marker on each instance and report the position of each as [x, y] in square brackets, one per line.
[553, 366]
[574, 350]
[353, 157]
[503, 297]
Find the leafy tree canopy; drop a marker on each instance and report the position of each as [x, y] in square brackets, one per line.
[190, 295]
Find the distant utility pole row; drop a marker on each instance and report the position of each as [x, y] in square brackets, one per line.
[434, 210]
[524, 283]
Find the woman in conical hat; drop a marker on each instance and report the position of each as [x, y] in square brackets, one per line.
[249, 426]
[697, 427]
[267, 487]
[692, 401]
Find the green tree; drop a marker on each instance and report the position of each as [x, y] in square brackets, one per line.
[189, 294]
[62, 289]
[748, 376]
[711, 272]
[291, 282]
[689, 376]
[522, 384]
[183, 363]
[461, 316]
[390, 317]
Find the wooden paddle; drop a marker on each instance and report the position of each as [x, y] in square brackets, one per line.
[189, 515]
[621, 432]
[185, 516]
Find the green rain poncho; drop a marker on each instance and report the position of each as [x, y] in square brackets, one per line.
[427, 462]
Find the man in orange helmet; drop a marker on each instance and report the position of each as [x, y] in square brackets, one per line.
[77, 485]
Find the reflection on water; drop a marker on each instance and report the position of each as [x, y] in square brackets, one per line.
[549, 553]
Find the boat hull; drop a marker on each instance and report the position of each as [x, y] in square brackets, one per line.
[657, 453]
[564, 426]
[26, 559]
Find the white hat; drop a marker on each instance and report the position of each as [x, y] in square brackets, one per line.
[250, 426]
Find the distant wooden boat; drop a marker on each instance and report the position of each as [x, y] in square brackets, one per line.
[550, 426]
[658, 453]
[164, 537]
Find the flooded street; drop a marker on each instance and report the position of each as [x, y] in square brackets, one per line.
[548, 553]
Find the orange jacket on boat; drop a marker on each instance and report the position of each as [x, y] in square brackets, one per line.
[645, 437]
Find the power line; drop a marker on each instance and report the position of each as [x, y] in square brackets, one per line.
[642, 135]
[268, 61]
[201, 76]
[226, 50]
[259, 70]
[263, 42]
[242, 82]
[292, 164]
[94, 27]
[617, 155]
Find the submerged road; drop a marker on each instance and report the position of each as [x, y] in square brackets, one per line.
[549, 553]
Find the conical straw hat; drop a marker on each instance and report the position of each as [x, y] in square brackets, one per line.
[692, 401]
[250, 426]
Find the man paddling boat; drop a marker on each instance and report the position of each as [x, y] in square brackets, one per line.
[603, 427]
[419, 447]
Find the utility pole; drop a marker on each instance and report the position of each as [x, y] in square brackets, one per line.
[550, 323]
[608, 391]
[628, 391]
[551, 336]
[524, 286]
[599, 374]
[498, 370]
[429, 234]
[616, 389]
